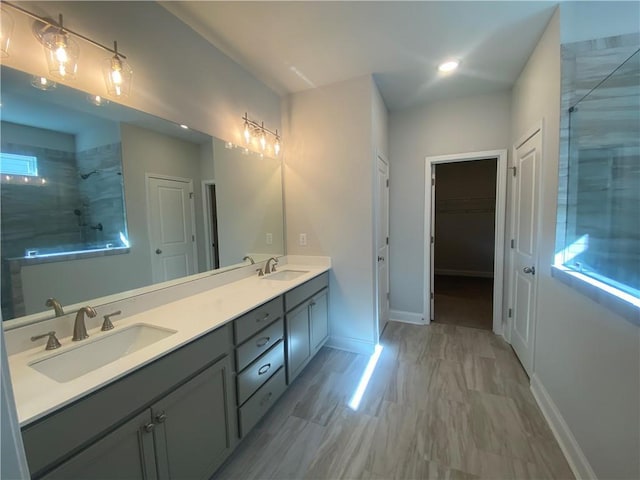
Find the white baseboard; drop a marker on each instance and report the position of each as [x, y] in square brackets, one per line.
[354, 345]
[406, 317]
[573, 453]
[462, 273]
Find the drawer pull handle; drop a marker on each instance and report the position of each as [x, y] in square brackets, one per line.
[266, 315]
[266, 399]
[161, 417]
[262, 341]
[149, 427]
[264, 369]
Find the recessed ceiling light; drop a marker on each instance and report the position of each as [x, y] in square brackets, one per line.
[182, 125]
[448, 66]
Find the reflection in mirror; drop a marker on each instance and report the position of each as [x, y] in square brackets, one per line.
[96, 201]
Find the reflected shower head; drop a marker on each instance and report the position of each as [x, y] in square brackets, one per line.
[84, 176]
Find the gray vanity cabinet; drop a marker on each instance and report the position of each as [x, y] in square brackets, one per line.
[127, 452]
[193, 432]
[307, 323]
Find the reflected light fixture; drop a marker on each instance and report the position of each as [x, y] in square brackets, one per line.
[6, 29]
[42, 83]
[97, 100]
[184, 127]
[253, 129]
[448, 66]
[117, 74]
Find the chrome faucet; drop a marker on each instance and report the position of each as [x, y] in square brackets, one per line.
[57, 307]
[247, 257]
[79, 327]
[273, 268]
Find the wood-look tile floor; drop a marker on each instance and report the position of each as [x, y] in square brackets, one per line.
[465, 301]
[444, 401]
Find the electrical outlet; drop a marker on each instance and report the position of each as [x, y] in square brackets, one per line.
[303, 240]
[269, 238]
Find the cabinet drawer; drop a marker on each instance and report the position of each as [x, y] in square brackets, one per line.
[259, 371]
[258, 344]
[300, 294]
[254, 321]
[252, 411]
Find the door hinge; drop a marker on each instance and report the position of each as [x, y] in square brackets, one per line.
[387, 183]
[433, 181]
[387, 240]
[193, 238]
[190, 194]
[510, 313]
[431, 295]
[514, 171]
[388, 295]
[433, 240]
[513, 243]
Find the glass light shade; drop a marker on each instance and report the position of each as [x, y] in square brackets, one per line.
[6, 29]
[97, 100]
[247, 132]
[62, 54]
[263, 141]
[276, 147]
[117, 76]
[42, 83]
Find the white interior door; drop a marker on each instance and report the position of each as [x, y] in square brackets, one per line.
[171, 228]
[524, 259]
[382, 243]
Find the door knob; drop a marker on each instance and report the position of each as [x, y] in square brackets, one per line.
[531, 270]
[158, 251]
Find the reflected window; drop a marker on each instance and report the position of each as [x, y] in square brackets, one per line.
[15, 164]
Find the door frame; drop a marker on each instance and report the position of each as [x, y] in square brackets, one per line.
[376, 203]
[206, 212]
[148, 176]
[499, 227]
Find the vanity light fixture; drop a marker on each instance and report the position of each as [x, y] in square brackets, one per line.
[184, 127]
[253, 129]
[62, 52]
[118, 74]
[6, 29]
[42, 83]
[449, 66]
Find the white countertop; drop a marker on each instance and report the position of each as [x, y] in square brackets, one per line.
[37, 395]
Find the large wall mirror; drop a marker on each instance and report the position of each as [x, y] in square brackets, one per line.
[100, 200]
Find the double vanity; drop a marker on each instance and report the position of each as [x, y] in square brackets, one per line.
[170, 391]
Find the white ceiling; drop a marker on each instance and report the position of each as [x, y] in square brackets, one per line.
[294, 46]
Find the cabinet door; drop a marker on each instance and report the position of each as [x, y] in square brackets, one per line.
[298, 347]
[195, 425]
[127, 452]
[319, 320]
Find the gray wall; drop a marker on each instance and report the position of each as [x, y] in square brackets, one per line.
[586, 357]
[454, 126]
[329, 173]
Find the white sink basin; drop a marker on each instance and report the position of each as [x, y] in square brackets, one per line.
[99, 351]
[285, 275]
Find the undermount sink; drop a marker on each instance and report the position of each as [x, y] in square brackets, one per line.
[95, 353]
[285, 275]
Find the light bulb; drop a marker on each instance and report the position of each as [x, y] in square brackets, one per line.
[263, 141]
[43, 81]
[449, 66]
[247, 133]
[276, 147]
[118, 75]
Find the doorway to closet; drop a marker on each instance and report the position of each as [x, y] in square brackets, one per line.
[464, 243]
[464, 231]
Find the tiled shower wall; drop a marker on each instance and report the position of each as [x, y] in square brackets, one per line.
[102, 194]
[604, 123]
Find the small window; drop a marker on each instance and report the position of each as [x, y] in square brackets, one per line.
[14, 164]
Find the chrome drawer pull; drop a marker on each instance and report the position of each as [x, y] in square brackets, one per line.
[264, 369]
[266, 399]
[161, 417]
[262, 341]
[266, 315]
[149, 427]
